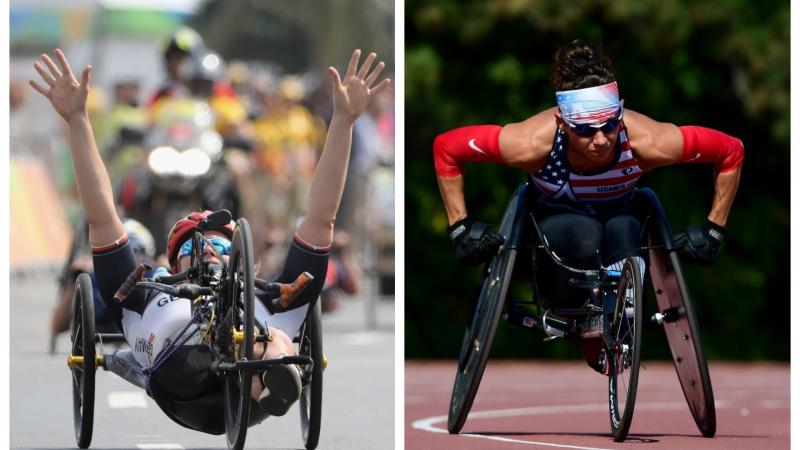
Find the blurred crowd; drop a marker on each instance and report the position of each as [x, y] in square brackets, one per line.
[241, 135]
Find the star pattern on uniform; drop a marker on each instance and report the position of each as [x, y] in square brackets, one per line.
[555, 172]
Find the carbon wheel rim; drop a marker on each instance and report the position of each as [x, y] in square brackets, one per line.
[239, 314]
[624, 353]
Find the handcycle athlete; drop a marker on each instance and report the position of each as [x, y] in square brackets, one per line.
[583, 162]
[149, 320]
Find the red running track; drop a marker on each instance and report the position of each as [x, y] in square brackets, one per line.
[564, 405]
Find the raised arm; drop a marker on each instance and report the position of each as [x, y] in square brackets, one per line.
[351, 95]
[68, 97]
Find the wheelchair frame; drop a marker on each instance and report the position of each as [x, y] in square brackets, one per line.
[676, 313]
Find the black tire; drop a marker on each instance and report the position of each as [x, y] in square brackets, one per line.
[479, 336]
[683, 336]
[82, 338]
[311, 396]
[238, 310]
[624, 350]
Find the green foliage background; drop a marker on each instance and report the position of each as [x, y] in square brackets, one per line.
[722, 64]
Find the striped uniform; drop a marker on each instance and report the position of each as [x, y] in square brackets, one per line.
[562, 186]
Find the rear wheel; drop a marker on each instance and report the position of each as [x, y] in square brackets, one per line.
[311, 396]
[238, 310]
[83, 360]
[676, 313]
[624, 349]
[479, 335]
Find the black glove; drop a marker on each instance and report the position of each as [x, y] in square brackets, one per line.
[475, 242]
[699, 245]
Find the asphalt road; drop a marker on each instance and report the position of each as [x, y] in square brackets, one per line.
[358, 395]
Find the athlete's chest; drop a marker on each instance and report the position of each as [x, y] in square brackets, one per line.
[558, 180]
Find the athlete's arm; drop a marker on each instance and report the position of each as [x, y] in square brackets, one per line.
[660, 144]
[517, 144]
[351, 96]
[68, 97]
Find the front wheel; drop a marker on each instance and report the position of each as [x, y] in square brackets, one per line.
[479, 336]
[311, 396]
[624, 349]
[82, 360]
[238, 311]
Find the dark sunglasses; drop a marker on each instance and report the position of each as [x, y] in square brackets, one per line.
[221, 245]
[589, 129]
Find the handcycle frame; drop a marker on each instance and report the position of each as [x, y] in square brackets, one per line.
[223, 300]
[675, 311]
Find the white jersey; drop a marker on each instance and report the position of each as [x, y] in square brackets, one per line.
[165, 316]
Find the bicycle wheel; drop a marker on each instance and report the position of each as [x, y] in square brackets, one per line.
[624, 352]
[683, 336]
[479, 335]
[83, 372]
[238, 310]
[311, 396]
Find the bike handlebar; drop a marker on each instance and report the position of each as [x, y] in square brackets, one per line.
[280, 295]
[187, 290]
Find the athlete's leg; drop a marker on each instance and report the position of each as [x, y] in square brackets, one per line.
[622, 239]
[576, 239]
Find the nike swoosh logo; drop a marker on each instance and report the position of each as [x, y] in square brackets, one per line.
[475, 147]
[696, 156]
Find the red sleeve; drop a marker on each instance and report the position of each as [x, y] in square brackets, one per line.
[704, 145]
[478, 143]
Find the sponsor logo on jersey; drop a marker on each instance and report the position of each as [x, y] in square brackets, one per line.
[165, 299]
[145, 345]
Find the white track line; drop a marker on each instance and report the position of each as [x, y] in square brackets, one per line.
[427, 424]
[159, 446]
[126, 399]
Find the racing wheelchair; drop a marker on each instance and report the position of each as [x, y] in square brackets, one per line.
[611, 317]
[215, 376]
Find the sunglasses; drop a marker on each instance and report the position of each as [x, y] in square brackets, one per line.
[221, 245]
[589, 129]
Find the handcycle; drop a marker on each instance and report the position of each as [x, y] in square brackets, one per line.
[223, 311]
[612, 315]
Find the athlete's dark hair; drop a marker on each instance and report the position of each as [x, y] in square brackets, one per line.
[579, 65]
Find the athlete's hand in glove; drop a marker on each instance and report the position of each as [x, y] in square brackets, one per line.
[699, 245]
[475, 242]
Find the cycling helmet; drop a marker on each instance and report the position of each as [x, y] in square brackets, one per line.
[140, 238]
[184, 40]
[183, 229]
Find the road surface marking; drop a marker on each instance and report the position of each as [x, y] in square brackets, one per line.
[126, 399]
[159, 446]
[362, 338]
[427, 424]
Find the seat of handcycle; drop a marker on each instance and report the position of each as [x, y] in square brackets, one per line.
[190, 394]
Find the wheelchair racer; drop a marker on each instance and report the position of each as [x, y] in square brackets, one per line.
[150, 320]
[584, 157]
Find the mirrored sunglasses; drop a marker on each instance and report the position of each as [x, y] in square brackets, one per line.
[589, 129]
[221, 245]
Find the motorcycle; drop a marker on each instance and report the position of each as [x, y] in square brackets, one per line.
[184, 170]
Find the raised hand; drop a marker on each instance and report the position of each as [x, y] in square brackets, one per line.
[66, 94]
[352, 94]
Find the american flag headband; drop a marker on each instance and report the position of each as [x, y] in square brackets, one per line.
[589, 105]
